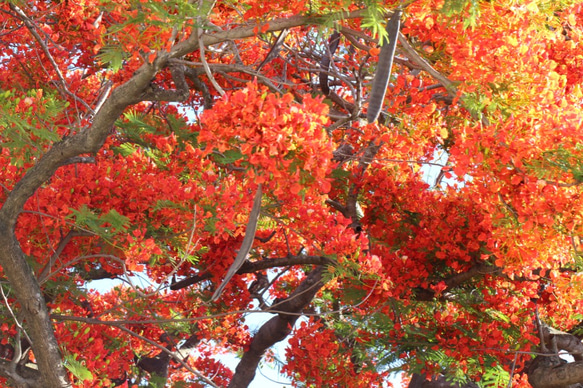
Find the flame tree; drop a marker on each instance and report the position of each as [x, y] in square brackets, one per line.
[216, 157]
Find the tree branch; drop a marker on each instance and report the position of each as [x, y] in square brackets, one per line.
[24, 376]
[209, 39]
[479, 269]
[260, 265]
[425, 65]
[181, 93]
[552, 372]
[277, 328]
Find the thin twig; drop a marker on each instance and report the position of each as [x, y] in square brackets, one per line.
[32, 29]
[203, 59]
[14, 316]
[512, 371]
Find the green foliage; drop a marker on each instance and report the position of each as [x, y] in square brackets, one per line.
[228, 156]
[469, 8]
[132, 131]
[497, 315]
[156, 381]
[112, 56]
[167, 204]
[318, 6]
[104, 225]
[558, 162]
[77, 368]
[27, 132]
[210, 222]
[180, 325]
[172, 12]
[495, 377]
[374, 20]
[475, 103]
[183, 132]
[164, 16]
[341, 174]
[53, 288]
[133, 127]
[125, 149]
[578, 330]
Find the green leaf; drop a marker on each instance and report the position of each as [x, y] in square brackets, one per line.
[157, 381]
[470, 9]
[167, 204]
[112, 56]
[228, 157]
[495, 377]
[105, 225]
[28, 134]
[497, 315]
[340, 173]
[115, 220]
[134, 126]
[374, 20]
[125, 149]
[77, 369]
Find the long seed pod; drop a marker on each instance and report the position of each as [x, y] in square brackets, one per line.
[383, 73]
[325, 63]
[245, 245]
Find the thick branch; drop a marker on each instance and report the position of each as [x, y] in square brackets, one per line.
[181, 93]
[547, 373]
[23, 376]
[277, 328]
[62, 245]
[564, 341]
[28, 292]
[200, 86]
[443, 80]
[12, 259]
[159, 364]
[255, 266]
[209, 39]
[478, 270]
[425, 65]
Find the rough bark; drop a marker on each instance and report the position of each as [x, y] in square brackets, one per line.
[277, 328]
[159, 364]
[550, 371]
[34, 309]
